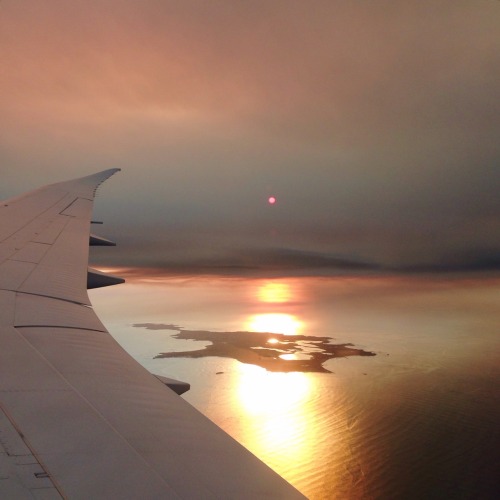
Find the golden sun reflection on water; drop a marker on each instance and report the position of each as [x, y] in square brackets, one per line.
[266, 392]
[281, 419]
[274, 323]
[285, 420]
[279, 295]
[280, 427]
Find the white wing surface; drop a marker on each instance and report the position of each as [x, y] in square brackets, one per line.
[79, 418]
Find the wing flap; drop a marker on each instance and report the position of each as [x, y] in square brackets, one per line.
[33, 310]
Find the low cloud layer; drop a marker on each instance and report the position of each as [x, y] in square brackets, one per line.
[288, 262]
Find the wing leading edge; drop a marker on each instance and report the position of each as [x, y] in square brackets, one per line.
[79, 418]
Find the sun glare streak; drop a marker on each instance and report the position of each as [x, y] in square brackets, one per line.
[278, 425]
[274, 323]
[263, 392]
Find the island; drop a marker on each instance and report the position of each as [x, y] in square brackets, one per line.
[275, 352]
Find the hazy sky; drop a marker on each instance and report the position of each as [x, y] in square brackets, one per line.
[376, 124]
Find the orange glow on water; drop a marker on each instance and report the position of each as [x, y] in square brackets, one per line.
[274, 323]
[279, 295]
[262, 392]
[278, 415]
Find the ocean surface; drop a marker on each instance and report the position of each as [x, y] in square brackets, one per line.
[420, 419]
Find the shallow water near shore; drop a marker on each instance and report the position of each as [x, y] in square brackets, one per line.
[418, 419]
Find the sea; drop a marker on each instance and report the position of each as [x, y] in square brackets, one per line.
[418, 419]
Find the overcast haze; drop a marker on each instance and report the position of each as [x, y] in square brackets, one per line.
[374, 123]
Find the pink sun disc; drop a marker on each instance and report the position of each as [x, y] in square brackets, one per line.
[271, 200]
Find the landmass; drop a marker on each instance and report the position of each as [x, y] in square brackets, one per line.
[275, 352]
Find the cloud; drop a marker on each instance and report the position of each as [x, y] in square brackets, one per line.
[374, 123]
[281, 262]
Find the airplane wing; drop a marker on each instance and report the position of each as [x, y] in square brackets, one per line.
[79, 418]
